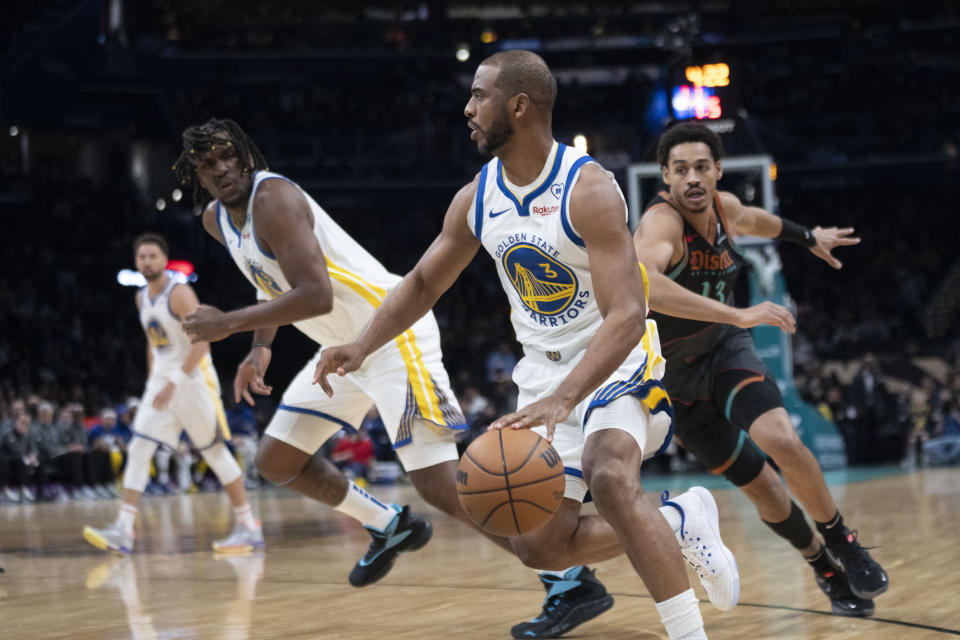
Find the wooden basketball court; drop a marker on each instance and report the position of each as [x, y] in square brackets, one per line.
[460, 585]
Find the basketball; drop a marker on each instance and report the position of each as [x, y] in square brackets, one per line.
[510, 481]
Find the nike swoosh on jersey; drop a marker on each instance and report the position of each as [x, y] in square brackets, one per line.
[494, 214]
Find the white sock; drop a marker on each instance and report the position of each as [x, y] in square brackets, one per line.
[673, 518]
[558, 574]
[362, 506]
[244, 516]
[681, 617]
[125, 518]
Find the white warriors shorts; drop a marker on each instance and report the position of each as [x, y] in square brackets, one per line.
[632, 399]
[405, 379]
[196, 408]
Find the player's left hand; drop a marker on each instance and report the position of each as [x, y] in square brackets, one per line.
[548, 412]
[830, 238]
[206, 324]
[163, 398]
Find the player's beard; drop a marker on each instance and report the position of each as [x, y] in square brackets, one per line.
[498, 134]
[153, 276]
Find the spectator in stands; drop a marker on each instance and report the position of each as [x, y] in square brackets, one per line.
[500, 363]
[871, 401]
[920, 412]
[353, 454]
[72, 438]
[17, 406]
[110, 437]
[373, 424]
[20, 465]
[244, 440]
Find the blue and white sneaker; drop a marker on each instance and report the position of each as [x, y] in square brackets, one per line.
[406, 532]
[571, 600]
[702, 548]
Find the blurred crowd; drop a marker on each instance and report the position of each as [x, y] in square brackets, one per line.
[890, 410]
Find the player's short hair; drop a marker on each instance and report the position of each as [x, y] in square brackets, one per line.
[525, 72]
[688, 132]
[202, 138]
[151, 238]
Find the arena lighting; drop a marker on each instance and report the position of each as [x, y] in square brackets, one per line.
[181, 266]
[14, 131]
[580, 142]
[131, 278]
[177, 195]
[161, 204]
[488, 36]
[463, 53]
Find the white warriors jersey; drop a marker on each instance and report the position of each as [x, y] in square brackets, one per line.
[359, 280]
[169, 343]
[541, 259]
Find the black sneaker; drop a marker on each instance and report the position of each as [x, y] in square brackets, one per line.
[571, 600]
[867, 578]
[406, 532]
[842, 600]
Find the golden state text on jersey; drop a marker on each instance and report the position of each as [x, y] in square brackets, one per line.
[541, 259]
[548, 289]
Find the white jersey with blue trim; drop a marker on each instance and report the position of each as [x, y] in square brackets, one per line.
[359, 281]
[541, 259]
[169, 343]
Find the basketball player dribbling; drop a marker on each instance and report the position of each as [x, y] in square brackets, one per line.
[182, 394]
[589, 379]
[728, 406]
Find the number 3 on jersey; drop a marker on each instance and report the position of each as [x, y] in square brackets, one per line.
[550, 273]
[717, 291]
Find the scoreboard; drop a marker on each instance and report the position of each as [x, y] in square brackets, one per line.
[704, 92]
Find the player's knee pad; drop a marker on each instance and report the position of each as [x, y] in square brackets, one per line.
[750, 396]
[139, 454]
[794, 529]
[746, 463]
[222, 462]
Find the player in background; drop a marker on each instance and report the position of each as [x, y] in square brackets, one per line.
[182, 393]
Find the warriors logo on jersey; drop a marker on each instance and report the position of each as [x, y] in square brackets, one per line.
[264, 280]
[545, 285]
[156, 334]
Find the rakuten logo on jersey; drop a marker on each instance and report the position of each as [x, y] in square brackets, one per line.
[545, 211]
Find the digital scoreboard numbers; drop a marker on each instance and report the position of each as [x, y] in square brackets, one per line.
[704, 92]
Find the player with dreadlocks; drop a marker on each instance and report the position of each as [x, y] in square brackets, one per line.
[308, 272]
[201, 139]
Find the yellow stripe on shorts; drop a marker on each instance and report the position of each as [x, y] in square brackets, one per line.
[213, 388]
[423, 389]
[646, 283]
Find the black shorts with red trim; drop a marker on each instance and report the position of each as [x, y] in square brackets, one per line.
[717, 396]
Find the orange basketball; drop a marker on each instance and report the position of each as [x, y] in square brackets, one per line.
[510, 481]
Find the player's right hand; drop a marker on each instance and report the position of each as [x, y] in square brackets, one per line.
[766, 313]
[342, 360]
[250, 376]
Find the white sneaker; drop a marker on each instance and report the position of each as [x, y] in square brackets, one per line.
[111, 537]
[241, 540]
[702, 547]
